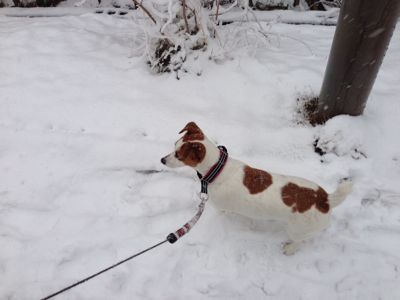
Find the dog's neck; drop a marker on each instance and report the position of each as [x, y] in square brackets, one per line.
[212, 156]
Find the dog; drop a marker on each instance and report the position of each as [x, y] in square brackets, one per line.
[303, 205]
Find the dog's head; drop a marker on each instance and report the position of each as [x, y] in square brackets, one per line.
[190, 150]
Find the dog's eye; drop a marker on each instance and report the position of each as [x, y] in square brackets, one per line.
[176, 154]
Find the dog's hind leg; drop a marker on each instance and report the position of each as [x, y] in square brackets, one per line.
[290, 247]
[304, 227]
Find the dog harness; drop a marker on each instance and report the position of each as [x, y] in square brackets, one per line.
[214, 171]
[210, 176]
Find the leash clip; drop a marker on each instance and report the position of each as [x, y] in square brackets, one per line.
[203, 196]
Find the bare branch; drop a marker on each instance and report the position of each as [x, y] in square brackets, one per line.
[185, 16]
[216, 14]
[170, 18]
[216, 19]
[223, 11]
[195, 17]
[145, 10]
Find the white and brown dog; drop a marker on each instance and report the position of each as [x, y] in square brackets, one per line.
[239, 188]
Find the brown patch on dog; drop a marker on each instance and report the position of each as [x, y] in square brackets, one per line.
[193, 132]
[191, 154]
[256, 180]
[302, 199]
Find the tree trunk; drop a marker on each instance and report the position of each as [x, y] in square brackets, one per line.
[362, 36]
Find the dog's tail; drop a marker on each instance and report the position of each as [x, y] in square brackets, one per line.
[341, 192]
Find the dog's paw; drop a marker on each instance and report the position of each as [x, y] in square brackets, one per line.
[290, 248]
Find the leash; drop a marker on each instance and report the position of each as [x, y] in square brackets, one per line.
[174, 236]
[171, 238]
[102, 271]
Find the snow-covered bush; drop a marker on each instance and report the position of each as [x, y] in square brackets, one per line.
[181, 28]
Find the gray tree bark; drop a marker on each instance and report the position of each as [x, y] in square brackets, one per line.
[362, 36]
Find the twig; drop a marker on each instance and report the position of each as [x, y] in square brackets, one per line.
[261, 30]
[145, 10]
[195, 18]
[216, 19]
[288, 37]
[155, 11]
[217, 12]
[170, 18]
[224, 11]
[184, 15]
[202, 18]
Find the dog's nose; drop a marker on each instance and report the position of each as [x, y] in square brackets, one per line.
[163, 160]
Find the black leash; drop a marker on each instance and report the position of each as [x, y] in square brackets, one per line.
[172, 237]
[102, 271]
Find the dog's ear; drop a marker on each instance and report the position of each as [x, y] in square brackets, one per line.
[191, 154]
[192, 132]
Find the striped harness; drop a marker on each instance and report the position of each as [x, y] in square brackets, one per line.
[214, 171]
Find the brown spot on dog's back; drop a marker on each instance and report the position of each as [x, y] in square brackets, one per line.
[301, 199]
[193, 132]
[191, 154]
[256, 180]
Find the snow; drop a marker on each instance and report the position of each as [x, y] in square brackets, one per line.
[83, 123]
[235, 14]
[45, 12]
[284, 16]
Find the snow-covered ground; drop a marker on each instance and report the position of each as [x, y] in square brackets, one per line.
[83, 123]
